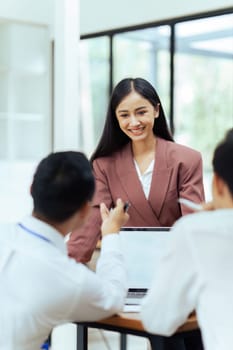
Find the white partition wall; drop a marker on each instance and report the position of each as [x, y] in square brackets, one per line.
[25, 111]
[38, 92]
[66, 60]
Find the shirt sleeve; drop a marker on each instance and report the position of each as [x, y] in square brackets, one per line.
[175, 287]
[102, 293]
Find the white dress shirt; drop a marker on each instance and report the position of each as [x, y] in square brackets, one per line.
[41, 287]
[196, 272]
[146, 177]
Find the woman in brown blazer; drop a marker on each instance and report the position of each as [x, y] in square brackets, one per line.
[138, 161]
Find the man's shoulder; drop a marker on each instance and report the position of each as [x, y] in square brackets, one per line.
[195, 222]
[205, 222]
[7, 231]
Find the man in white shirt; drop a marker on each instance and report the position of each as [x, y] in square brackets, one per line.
[40, 286]
[199, 264]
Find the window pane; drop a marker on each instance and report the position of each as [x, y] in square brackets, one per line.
[144, 53]
[94, 89]
[203, 102]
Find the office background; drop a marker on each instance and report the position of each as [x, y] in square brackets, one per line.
[54, 88]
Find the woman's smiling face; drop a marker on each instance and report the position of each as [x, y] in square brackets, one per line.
[136, 116]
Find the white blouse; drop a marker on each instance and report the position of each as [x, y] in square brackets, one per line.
[146, 177]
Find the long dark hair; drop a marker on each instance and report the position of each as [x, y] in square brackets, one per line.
[113, 138]
[223, 160]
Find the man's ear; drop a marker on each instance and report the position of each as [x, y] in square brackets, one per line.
[219, 184]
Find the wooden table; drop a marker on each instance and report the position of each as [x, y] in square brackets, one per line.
[129, 323]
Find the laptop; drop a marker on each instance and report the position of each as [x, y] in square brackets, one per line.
[141, 247]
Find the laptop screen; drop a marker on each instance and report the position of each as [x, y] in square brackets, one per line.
[141, 247]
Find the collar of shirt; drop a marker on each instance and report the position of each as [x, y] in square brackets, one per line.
[45, 230]
[148, 171]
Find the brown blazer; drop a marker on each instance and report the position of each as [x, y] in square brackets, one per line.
[177, 173]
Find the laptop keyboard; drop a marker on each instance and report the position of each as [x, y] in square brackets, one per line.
[137, 293]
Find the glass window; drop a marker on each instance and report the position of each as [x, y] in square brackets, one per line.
[94, 89]
[203, 91]
[203, 84]
[144, 53]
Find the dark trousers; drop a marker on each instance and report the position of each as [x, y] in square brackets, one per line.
[186, 342]
[194, 342]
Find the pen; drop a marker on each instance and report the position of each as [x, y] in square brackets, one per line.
[125, 208]
[190, 204]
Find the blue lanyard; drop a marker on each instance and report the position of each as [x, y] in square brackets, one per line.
[45, 346]
[34, 233]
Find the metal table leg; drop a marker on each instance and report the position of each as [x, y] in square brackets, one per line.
[123, 341]
[82, 337]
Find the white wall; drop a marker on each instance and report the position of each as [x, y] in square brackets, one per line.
[100, 15]
[60, 19]
[34, 11]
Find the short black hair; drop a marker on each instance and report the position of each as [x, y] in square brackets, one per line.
[62, 183]
[113, 138]
[223, 160]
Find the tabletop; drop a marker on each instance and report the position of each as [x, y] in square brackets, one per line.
[130, 323]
